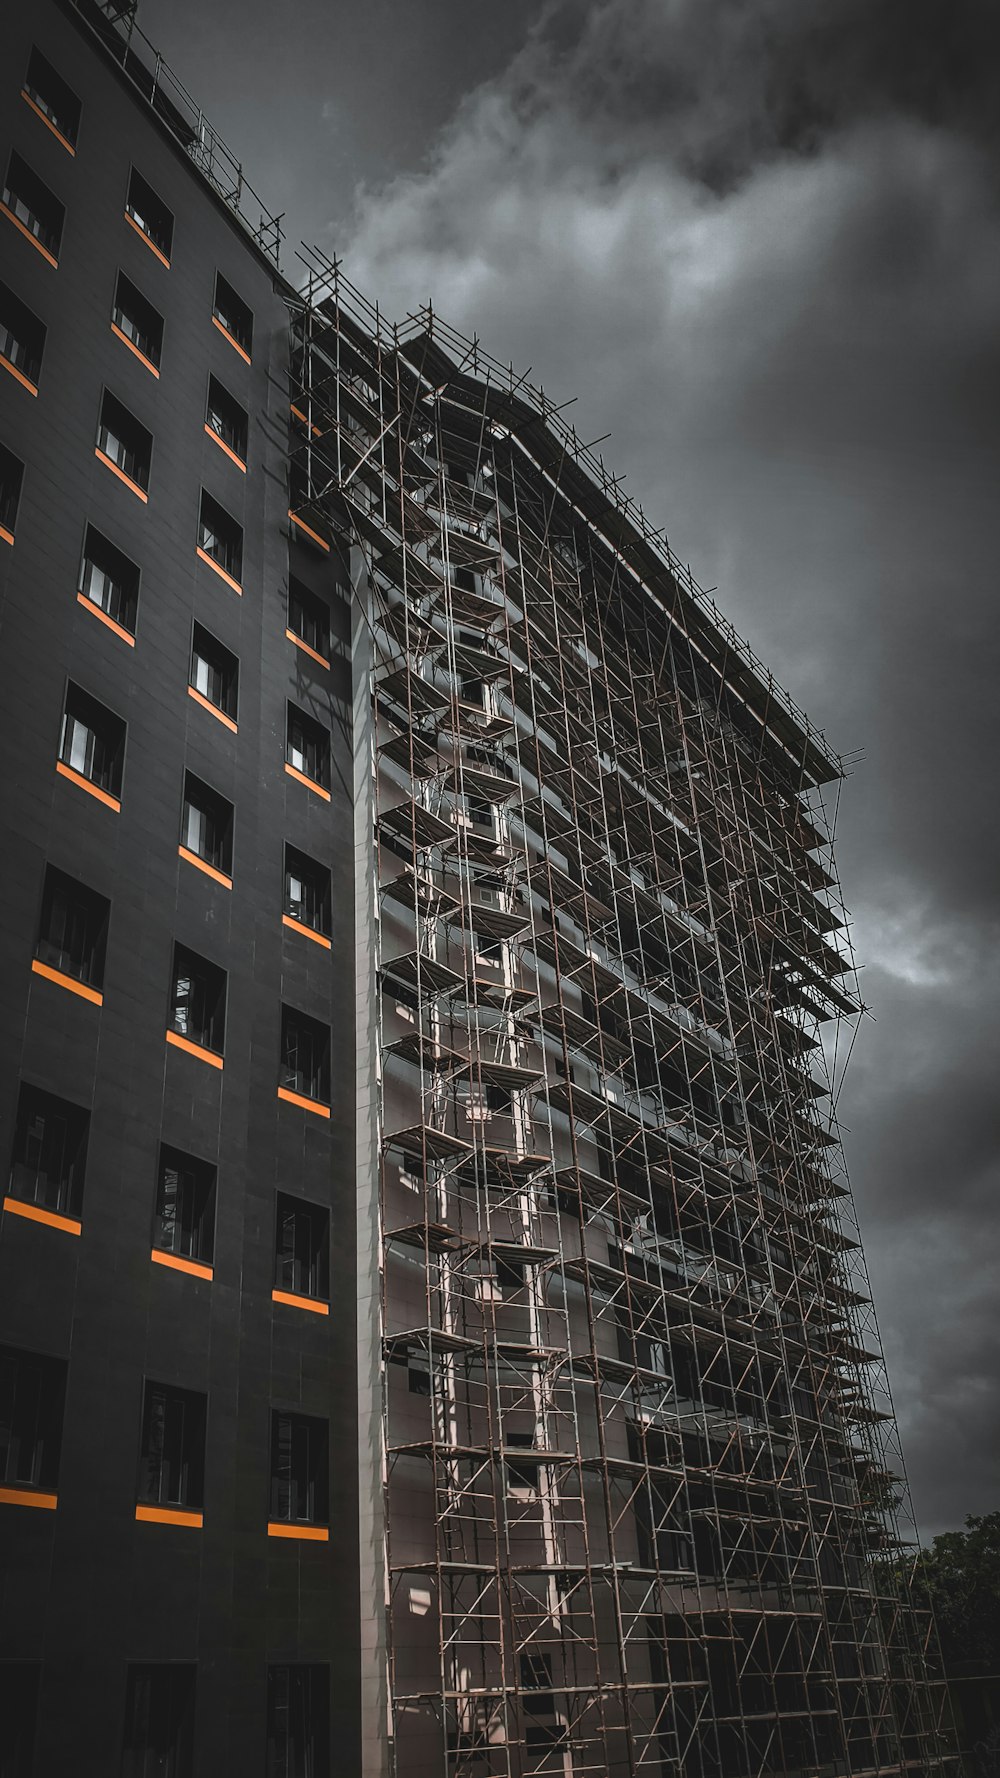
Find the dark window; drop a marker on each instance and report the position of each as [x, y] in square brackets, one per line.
[305, 1055]
[19, 1681]
[521, 1474]
[34, 205]
[510, 1275]
[137, 319]
[11, 478]
[22, 336]
[198, 1000]
[159, 1722]
[227, 418]
[109, 580]
[50, 1152]
[93, 741]
[172, 1453]
[221, 537]
[536, 1677]
[73, 931]
[298, 1722]
[232, 312]
[540, 1735]
[207, 824]
[309, 618]
[308, 747]
[125, 441]
[307, 891]
[150, 213]
[302, 1248]
[214, 671]
[299, 1469]
[32, 1389]
[185, 1206]
[53, 97]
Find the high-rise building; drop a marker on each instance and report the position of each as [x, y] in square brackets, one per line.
[434, 1337]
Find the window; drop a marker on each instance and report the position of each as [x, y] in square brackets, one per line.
[73, 931]
[214, 672]
[32, 1389]
[308, 747]
[92, 743]
[50, 95]
[11, 479]
[34, 207]
[198, 1000]
[22, 338]
[226, 419]
[50, 1152]
[522, 1474]
[109, 580]
[184, 1222]
[220, 538]
[159, 1722]
[298, 1722]
[150, 215]
[137, 320]
[536, 1676]
[19, 1683]
[305, 1056]
[233, 316]
[124, 443]
[299, 1470]
[302, 1248]
[307, 892]
[207, 825]
[309, 619]
[172, 1451]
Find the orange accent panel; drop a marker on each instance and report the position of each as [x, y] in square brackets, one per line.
[169, 1515]
[299, 415]
[217, 876]
[148, 362]
[318, 938]
[306, 1104]
[307, 1533]
[228, 336]
[301, 523]
[194, 1049]
[177, 1264]
[47, 121]
[85, 784]
[153, 248]
[95, 610]
[66, 981]
[293, 772]
[300, 1302]
[8, 536]
[311, 652]
[214, 564]
[25, 382]
[122, 477]
[28, 1497]
[26, 232]
[207, 704]
[37, 1213]
[230, 453]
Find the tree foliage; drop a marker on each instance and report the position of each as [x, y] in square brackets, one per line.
[959, 1577]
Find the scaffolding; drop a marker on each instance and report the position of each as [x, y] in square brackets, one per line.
[643, 1502]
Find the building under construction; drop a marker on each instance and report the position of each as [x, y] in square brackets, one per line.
[527, 1104]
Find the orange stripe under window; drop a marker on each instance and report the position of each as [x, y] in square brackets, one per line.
[66, 981]
[169, 1515]
[194, 1049]
[47, 121]
[120, 473]
[302, 526]
[218, 876]
[26, 382]
[8, 536]
[37, 1213]
[308, 1533]
[312, 652]
[300, 1302]
[207, 704]
[293, 772]
[95, 610]
[224, 447]
[28, 1497]
[316, 1105]
[153, 248]
[113, 802]
[318, 938]
[214, 564]
[223, 329]
[26, 232]
[148, 362]
[177, 1264]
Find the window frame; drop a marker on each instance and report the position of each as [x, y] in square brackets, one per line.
[93, 910]
[161, 244]
[23, 356]
[178, 1485]
[44, 235]
[121, 610]
[297, 1276]
[107, 783]
[314, 734]
[288, 1748]
[65, 127]
[230, 563]
[11, 489]
[192, 1236]
[148, 1717]
[236, 310]
[312, 1085]
[147, 346]
[20, 1694]
[135, 459]
[314, 635]
[226, 668]
[64, 1203]
[219, 814]
[210, 982]
[303, 914]
[232, 435]
[40, 1402]
[313, 1432]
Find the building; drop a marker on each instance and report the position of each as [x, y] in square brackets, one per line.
[432, 1339]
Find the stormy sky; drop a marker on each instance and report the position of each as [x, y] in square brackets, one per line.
[760, 241]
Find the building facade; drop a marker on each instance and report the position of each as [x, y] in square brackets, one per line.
[432, 1336]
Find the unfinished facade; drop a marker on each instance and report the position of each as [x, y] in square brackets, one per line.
[635, 1500]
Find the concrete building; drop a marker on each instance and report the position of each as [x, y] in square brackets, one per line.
[432, 1335]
